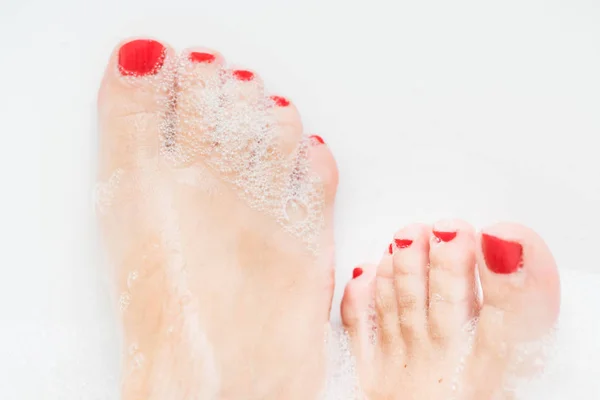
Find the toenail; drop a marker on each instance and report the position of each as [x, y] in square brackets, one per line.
[141, 57]
[356, 273]
[391, 248]
[243, 75]
[444, 236]
[202, 57]
[501, 256]
[316, 140]
[280, 101]
[402, 243]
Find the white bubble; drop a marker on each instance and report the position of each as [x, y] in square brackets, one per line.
[124, 301]
[131, 278]
[138, 360]
[133, 348]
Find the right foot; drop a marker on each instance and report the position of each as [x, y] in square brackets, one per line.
[430, 337]
[216, 213]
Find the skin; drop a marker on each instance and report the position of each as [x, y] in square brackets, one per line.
[425, 295]
[223, 302]
[218, 300]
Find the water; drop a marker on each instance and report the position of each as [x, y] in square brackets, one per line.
[423, 128]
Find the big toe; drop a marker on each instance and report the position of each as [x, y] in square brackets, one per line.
[519, 277]
[521, 297]
[133, 102]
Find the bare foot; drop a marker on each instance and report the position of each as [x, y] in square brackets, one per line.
[430, 337]
[216, 214]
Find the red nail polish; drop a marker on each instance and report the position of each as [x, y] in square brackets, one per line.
[501, 256]
[280, 101]
[141, 57]
[356, 273]
[202, 57]
[444, 236]
[402, 243]
[391, 248]
[316, 140]
[243, 75]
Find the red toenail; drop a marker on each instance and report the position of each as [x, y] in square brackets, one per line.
[356, 273]
[501, 256]
[316, 140]
[402, 243]
[202, 57]
[391, 248]
[141, 57]
[243, 75]
[444, 236]
[280, 101]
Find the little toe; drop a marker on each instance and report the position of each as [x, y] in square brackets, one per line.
[356, 310]
[452, 280]
[323, 179]
[323, 165]
[410, 249]
[133, 102]
[520, 283]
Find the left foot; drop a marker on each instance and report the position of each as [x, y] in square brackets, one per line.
[432, 339]
[216, 212]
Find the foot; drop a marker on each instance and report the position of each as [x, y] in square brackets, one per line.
[432, 336]
[216, 214]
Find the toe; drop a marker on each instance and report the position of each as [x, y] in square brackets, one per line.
[356, 309]
[244, 94]
[286, 123]
[198, 105]
[452, 288]
[270, 127]
[316, 158]
[226, 121]
[410, 264]
[202, 56]
[242, 88]
[386, 309]
[133, 102]
[521, 297]
[323, 166]
[520, 283]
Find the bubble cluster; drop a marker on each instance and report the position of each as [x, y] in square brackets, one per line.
[216, 121]
[342, 380]
[104, 192]
[124, 301]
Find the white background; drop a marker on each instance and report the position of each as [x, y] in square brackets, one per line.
[474, 109]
